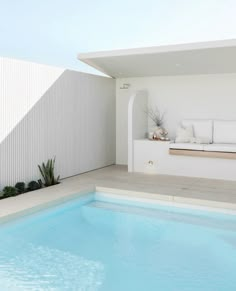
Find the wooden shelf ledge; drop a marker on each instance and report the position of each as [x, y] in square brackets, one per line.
[203, 154]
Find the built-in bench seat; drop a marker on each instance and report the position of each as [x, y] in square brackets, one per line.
[229, 148]
[217, 147]
[202, 153]
[186, 146]
[222, 137]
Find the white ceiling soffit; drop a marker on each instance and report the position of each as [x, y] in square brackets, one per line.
[186, 59]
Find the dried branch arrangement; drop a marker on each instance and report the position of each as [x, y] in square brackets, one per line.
[155, 116]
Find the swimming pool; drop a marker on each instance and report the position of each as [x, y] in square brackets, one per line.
[96, 243]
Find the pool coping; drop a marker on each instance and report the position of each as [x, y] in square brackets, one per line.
[29, 203]
[36, 205]
[170, 200]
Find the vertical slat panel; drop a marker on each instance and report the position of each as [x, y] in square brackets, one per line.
[47, 112]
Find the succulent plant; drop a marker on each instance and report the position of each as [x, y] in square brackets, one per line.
[33, 185]
[9, 191]
[47, 172]
[40, 183]
[20, 186]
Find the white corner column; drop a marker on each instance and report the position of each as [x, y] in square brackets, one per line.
[137, 122]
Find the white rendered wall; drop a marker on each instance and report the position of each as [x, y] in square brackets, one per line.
[46, 112]
[201, 96]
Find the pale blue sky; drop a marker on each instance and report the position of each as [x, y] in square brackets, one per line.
[54, 31]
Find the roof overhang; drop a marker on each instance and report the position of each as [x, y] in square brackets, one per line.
[215, 57]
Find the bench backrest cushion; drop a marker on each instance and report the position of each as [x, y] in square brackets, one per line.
[202, 129]
[224, 131]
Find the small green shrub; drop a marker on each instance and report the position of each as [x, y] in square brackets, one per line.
[20, 186]
[33, 185]
[9, 191]
[47, 172]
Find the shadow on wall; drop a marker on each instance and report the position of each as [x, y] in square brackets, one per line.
[74, 121]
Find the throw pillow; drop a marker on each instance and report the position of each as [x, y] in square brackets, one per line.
[184, 134]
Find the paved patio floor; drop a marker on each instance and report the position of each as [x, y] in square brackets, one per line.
[117, 177]
[203, 192]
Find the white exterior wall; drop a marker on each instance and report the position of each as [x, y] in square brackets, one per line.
[46, 112]
[199, 96]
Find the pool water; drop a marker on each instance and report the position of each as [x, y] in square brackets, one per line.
[90, 244]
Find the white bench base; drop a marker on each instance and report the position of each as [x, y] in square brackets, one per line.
[153, 157]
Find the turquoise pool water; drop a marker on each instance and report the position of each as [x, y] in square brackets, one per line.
[98, 244]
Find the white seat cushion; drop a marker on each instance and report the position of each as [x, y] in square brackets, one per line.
[202, 128]
[186, 146]
[228, 148]
[224, 131]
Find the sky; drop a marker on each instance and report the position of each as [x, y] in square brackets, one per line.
[53, 32]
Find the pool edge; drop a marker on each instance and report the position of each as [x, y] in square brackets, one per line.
[162, 199]
[45, 204]
[171, 200]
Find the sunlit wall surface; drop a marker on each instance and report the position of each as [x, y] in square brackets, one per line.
[46, 112]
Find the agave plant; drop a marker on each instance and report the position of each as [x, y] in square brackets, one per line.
[47, 172]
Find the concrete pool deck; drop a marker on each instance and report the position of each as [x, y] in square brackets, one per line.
[218, 194]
